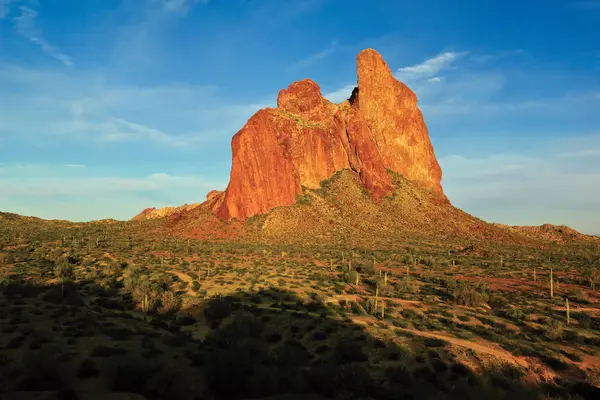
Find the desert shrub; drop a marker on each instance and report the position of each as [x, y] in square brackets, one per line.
[429, 261]
[348, 351]
[318, 298]
[552, 328]
[131, 278]
[350, 277]
[242, 326]
[554, 363]
[584, 320]
[170, 302]
[407, 285]
[433, 342]
[581, 295]
[366, 268]
[514, 313]
[357, 308]
[218, 309]
[145, 295]
[470, 294]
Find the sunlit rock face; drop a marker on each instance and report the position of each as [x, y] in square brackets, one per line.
[306, 139]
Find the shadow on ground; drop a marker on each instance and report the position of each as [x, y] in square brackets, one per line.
[81, 341]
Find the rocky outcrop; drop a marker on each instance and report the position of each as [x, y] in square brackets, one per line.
[390, 109]
[306, 139]
[156, 213]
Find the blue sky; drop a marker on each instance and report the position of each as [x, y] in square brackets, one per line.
[111, 106]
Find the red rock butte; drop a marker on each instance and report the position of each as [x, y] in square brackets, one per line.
[307, 139]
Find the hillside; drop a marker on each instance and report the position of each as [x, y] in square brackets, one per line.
[126, 310]
[342, 213]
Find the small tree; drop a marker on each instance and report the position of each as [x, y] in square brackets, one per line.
[591, 275]
[64, 273]
[170, 301]
[145, 295]
[131, 279]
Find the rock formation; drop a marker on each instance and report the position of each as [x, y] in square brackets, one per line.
[155, 213]
[306, 139]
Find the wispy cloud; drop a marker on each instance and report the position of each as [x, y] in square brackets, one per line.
[314, 58]
[44, 105]
[180, 6]
[526, 189]
[26, 26]
[74, 166]
[581, 153]
[430, 67]
[88, 197]
[126, 131]
[485, 58]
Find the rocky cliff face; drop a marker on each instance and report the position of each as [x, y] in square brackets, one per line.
[306, 139]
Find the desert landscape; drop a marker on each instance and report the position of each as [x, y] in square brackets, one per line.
[332, 266]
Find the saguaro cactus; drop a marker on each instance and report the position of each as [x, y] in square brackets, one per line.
[551, 283]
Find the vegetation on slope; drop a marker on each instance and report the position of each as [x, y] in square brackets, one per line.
[108, 307]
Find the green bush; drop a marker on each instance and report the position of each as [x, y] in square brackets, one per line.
[350, 277]
[470, 294]
[552, 328]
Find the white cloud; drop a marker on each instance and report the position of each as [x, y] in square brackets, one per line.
[116, 130]
[81, 106]
[430, 67]
[525, 190]
[74, 166]
[87, 197]
[180, 6]
[581, 153]
[25, 24]
[341, 94]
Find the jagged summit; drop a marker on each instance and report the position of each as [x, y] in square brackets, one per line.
[307, 139]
